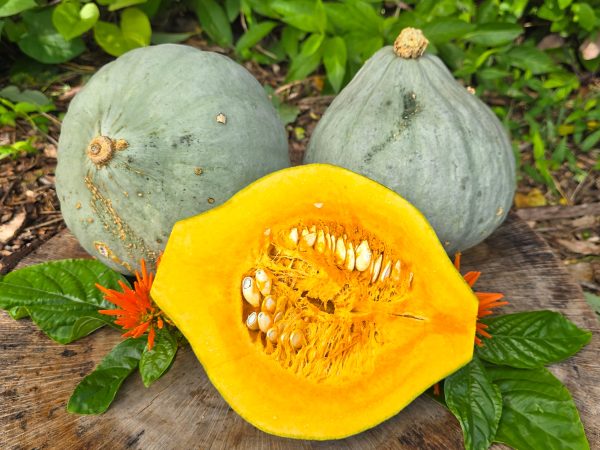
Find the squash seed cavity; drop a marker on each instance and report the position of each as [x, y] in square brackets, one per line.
[316, 294]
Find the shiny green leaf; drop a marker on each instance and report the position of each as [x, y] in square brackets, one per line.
[476, 403]
[254, 35]
[72, 20]
[214, 21]
[334, 59]
[12, 7]
[95, 393]
[306, 15]
[494, 34]
[60, 296]
[538, 411]
[154, 363]
[531, 339]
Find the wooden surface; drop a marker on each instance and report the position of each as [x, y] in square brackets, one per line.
[182, 410]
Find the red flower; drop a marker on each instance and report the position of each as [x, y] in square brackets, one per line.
[137, 312]
[487, 302]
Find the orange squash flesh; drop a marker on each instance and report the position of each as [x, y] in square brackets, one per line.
[198, 287]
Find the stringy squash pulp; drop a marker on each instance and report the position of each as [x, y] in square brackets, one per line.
[319, 302]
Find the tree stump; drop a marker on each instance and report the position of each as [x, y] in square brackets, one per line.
[182, 410]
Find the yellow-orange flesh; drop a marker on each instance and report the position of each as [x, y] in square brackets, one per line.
[300, 338]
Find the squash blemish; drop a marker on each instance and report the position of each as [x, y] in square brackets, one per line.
[327, 312]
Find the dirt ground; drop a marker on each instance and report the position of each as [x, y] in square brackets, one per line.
[30, 212]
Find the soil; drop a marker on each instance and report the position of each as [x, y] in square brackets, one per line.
[30, 211]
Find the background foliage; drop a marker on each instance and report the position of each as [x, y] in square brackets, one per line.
[532, 61]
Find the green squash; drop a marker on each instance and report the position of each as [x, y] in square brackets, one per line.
[160, 134]
[405, 122]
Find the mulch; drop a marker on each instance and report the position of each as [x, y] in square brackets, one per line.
[30, 211]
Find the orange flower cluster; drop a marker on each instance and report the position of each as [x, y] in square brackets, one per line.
[137, 312]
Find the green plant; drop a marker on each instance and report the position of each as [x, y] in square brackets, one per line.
[134, 161]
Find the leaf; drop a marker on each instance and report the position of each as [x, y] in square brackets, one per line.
[154, 363]
[352, 17]
[531, 199]
[232, 8]
[120, 4]
[593, 300]
[169, 38]
[308, 59]
[441, 31]
[43, 43]
[581, 247]
[95, 393]
[290, 37]
[476, 403]
[494, 34]
[585, 15]
[531, 339]
[12, 7]
[530, 58]
[538, 411]
[134, 32]
[306, 15]
[214, 21]
[15, 95]
[60, 296]
[254, 35]
[72, 20]
[334, 59]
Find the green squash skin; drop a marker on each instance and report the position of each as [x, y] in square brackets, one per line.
[409, 125]
[180, 160]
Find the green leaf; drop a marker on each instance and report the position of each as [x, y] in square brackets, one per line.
[43, 43]
[441, 31]
[156, 362]
[531, 339]
[72, 20]
[60, 296]
[120, 4]
[476, 403]
[135, 31]
[530, 58]
[306, 15]
[334, 59]
[12, 7]
[538, 411]
[169, 38]
[355, 16]
[585, 15]
[308, 59]
[95, 393]
[214, 21]
[590, 141]
[233, 9]
[15, 95]
[290, 37]
[254, 35]
[494, 34]
[593, 300]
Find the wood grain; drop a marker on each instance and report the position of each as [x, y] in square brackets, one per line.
[182, 410]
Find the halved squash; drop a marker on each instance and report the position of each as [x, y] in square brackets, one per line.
[319, 302]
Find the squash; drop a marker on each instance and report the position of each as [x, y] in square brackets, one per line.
[160, 134]
[318, 310]
[406, 123]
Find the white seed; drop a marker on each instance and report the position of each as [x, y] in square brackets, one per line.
[313, 229]
[267, 231]
[320, 245]
[278, 317]
[410, 279]
[397, 269]
[385, 272]
[333, 240]
[318, 205]
[350, 256]
[293, 236]
[252, 321]
[263, 281]
[376, 268]
[269, 304]
[264, 321]
[273, 334]
[340, 252]
[309, 239]
[296, 339]
[283, 337]
[250, 291]
[363, 256]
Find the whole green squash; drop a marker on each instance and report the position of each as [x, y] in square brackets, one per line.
[405, 122]
[160, 134]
